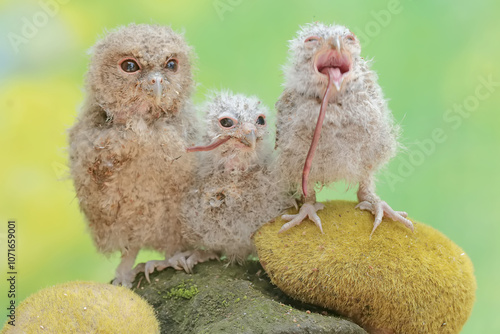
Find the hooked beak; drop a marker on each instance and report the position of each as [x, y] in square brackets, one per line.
[249, 139]
[337, 44]
[156, 80]
[334, 62]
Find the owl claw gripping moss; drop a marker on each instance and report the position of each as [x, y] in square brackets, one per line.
[307, 210]
[325, 72]
[381, 209]
[128, 147]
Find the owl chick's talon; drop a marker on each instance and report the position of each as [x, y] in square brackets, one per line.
[187, 260]
[403, 213]
[150, 267]
[179, 261]
[199, 257]
[381, 209]
[307, 210]
[125, 281]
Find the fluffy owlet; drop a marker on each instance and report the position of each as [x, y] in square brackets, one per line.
[238, 187]
[128, 147]
[330, 90]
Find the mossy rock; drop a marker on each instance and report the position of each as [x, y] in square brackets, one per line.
[395, 282]
[84, 307]
[232, 299]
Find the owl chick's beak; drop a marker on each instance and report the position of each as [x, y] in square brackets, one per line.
[249, 138]
[337, 44]
[334, 61]
[156, 82]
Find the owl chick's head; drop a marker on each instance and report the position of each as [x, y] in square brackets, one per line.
[319, 51]
[140, 70]
[236, 127]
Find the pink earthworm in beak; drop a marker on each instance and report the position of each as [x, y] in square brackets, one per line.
[317, 133]
[208, 147]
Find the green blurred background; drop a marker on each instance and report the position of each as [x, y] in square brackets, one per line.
[431, 56]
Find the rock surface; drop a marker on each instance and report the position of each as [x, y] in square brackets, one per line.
[234, 299]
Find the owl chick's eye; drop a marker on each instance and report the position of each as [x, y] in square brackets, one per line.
[129, 65]
[172, 64]
[261, 120]
[311, 39]
[227, 122]
[351, 37]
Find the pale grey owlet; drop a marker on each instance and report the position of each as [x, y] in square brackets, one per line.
[128, 147]
[238, 187]
[330, 89]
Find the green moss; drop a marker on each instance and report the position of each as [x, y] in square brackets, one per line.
[183, 291]
[215, 309]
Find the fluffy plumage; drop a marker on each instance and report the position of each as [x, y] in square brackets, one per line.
[238, 187]
[127, 148]
[358, 134]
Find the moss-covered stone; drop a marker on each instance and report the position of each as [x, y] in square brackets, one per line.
[84, 307]
[234, 299]
[397, 282]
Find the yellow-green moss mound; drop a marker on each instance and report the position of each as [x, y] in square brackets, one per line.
[84, 307]
[397, 282]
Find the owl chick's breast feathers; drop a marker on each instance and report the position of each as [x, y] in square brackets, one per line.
[127, 148]
[239, 187]
[359, 134]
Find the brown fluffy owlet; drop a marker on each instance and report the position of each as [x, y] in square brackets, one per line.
[128, 147]
[333, 121]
